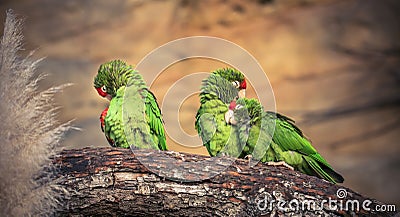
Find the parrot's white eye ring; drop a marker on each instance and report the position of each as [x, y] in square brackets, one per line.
[236, 84]
[103, 88]
[238, 106]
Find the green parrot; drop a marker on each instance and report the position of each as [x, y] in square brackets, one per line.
[133, 116]
[272, 137]
[218, 136]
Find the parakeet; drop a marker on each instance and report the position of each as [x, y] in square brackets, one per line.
[216, 93]
[133, 116]
[288, 143]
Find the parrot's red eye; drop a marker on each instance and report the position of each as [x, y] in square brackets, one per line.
[102, 91]
[243, 85]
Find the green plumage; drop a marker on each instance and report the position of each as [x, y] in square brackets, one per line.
[133, 117]
[267, 136]
[230, 74]
[216, 134]
[113, 127]
[288, 142]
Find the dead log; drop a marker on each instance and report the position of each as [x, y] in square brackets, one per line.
[118, 182]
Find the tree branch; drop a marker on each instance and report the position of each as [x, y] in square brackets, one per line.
[115, 182]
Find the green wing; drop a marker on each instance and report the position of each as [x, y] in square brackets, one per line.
[289, 136]
[210, 125]
[113, 127]
[296, 150]
[134, 118]
[218, 136]
[154, 119]
[142, 117]
[274, 137]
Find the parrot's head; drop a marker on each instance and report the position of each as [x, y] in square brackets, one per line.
[242, 110]
[111, 76]
[235, 77]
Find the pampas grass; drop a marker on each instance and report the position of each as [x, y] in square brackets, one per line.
[29, 131]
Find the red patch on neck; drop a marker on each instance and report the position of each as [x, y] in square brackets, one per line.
[103, 116]
[101, 92]
[243, 85]
[232, 106]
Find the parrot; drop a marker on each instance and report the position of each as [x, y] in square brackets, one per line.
[217, 90]
[272, 137]
[215, 95]
[133, 115]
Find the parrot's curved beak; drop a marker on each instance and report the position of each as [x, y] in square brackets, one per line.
[109, 97]
[242, 93]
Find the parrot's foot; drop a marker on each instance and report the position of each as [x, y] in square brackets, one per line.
[249, 156]
[280, 163]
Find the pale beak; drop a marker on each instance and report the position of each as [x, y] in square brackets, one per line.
[242, 93]
[109, 97]
[230, 118]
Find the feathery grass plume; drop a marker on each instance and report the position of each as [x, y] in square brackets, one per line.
[29, 131]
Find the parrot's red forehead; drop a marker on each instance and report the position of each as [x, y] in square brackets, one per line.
[232, 105]
[101, 92]
[243, 85]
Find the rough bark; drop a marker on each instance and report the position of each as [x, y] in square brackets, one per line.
[117, 182]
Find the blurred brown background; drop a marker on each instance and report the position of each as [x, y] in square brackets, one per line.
[334, 66]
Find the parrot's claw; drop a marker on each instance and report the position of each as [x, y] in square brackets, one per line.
[280, 163]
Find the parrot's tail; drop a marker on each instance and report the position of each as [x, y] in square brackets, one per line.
[324, 171]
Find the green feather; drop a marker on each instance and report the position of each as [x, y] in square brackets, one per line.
[113, 75]
[154, 120]
[113, 127]
[217, 88]
[216, 134]
[274, 137]
[230, 74]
